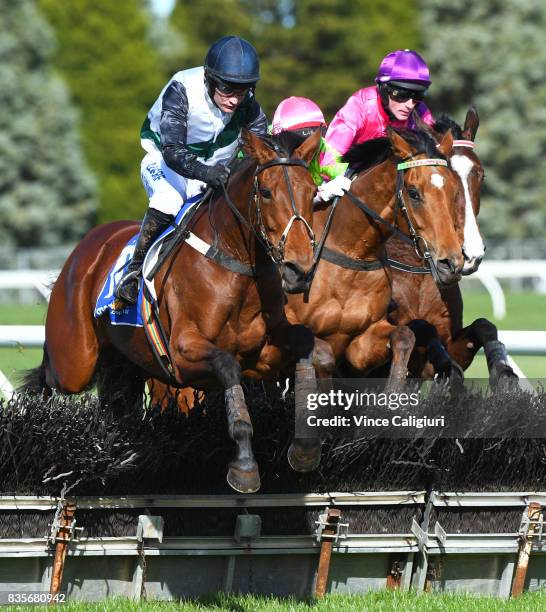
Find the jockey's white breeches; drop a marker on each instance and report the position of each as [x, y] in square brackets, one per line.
[166, 189]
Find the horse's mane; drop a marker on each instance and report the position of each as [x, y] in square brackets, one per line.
[445, 123]
[284, 144]
[372, 152]
[368, 154]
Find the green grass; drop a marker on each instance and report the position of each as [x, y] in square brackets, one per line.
[525, 311]
[22, 314]
[392, 601]
[14, 360]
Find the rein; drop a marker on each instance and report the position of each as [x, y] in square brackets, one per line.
[418, 243]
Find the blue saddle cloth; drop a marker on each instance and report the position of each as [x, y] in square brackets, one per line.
[130, 314]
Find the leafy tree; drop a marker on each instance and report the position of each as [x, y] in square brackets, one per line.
[492, 54]
[114, 76]
[46, 191]
[322, 49]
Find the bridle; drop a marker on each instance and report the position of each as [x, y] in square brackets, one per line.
[276, 252]
[417, 241]
[419, 244]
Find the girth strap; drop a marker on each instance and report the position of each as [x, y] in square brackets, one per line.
[215, 254]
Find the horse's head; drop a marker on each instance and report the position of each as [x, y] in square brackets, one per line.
[283, 197]
[468, 166]
[427, 191]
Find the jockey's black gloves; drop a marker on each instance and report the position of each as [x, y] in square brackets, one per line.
[216, 176]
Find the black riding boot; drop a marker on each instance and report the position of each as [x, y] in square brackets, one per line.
[153, 224]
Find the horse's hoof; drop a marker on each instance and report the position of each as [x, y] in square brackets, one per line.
[304, 459]
[504, 379]
[244, 481]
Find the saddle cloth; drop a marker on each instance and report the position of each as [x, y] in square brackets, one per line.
[130, 314]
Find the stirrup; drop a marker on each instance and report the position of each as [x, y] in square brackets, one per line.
[128, 287]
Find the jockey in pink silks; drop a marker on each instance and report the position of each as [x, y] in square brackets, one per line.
[402, 81]
[304, 117]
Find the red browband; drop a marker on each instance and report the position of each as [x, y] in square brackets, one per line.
[463, 143]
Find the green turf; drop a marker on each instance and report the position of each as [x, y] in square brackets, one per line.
[22, 314]
[523, 310]
[392, 601]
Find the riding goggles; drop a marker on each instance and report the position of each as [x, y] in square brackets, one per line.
[231, 89]
[399, 94]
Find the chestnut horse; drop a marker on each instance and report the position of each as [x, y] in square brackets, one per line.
[435, 314]
[347, 304]
[346, 307]
[218, 321]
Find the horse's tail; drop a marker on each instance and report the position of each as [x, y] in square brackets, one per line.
[34, 380]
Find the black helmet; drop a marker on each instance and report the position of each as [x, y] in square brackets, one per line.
[233, 60]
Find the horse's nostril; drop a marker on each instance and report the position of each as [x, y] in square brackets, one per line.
[445, 263]
[292, 272]
[450, 264]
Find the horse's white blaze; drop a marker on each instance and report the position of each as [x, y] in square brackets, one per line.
[473, 246]
[437, 180]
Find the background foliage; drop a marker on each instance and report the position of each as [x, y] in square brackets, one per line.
[46, 189]
[114, 75]
[116, 57]
[492, 54]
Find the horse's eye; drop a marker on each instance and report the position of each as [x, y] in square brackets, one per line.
[265, 192]
[477, 174]
[414, 194]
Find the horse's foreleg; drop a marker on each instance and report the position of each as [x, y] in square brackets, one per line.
[426, 337]
[243, 475]
[197, 356]
[372, 348]
[402, 341]
[483, 333]
[324, 360]
[297, 341]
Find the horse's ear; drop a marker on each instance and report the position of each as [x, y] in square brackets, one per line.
[255, 147]
[308, 147]
[446, 144]
[400, 147]
[471, 124]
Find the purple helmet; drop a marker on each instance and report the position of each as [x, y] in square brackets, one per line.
[404, 68]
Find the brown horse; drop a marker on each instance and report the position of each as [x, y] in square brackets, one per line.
[218, 321]
[435, 314]
[346, 307]
[347, 304]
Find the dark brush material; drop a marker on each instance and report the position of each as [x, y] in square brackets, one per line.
[76, 441]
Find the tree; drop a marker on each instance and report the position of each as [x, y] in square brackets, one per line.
[46, 190]
[492, 54]
[322, 49]
[114, 75]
